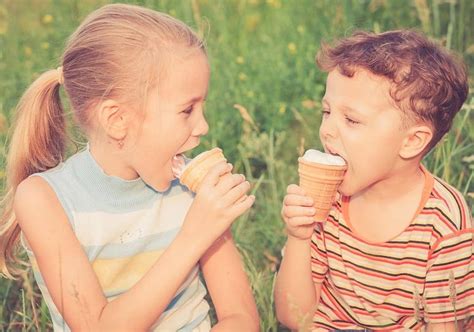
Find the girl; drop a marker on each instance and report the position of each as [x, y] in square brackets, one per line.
[114, 240]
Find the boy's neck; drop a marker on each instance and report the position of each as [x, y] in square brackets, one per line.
[383, 211]
[409, 178]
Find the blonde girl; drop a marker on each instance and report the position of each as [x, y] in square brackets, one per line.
[115, 242]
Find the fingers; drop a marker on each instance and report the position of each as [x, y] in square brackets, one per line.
[229, 181]
[293, 199]
[301, 221]
[214, 174]
[236, 193]
[295, 189]
[241, 206]
[290, 211]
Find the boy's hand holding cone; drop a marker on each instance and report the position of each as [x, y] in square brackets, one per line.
[310, 202]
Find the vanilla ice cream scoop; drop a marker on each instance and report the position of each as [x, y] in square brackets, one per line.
[177, 165]
[319, 157]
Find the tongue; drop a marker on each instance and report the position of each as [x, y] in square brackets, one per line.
[177, 165]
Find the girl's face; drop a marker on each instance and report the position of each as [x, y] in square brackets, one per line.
[361, 124]
[173, 121]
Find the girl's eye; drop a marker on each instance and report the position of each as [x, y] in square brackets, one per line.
[188, 110]
[325, 113]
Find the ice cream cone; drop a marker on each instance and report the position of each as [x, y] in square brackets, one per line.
[197, 169]
[320, 181]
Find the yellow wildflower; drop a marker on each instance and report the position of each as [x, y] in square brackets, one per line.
[308, 104]
[47, 19]
[28, 51]
[242, 77]
[274, 3]
[240, 60]
[282, 108]
[300, 29]
[44, 45]
[292, 48]
[252, 21]
[3, 20]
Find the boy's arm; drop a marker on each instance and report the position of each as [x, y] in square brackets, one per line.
[229, 287]
[296, 295]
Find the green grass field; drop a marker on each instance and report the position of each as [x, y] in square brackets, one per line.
[262, 58]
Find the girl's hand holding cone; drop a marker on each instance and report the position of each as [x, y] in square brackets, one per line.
[220, 199]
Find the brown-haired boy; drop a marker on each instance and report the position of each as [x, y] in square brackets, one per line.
[396, 252]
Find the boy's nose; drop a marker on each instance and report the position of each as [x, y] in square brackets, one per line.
[328, 128]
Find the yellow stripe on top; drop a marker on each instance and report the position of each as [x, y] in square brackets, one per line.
[116, 274]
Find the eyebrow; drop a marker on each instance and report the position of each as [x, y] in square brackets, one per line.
[344, 108]
[194, 99]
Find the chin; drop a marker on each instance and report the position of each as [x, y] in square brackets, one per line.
[345, 190]
[161, 187]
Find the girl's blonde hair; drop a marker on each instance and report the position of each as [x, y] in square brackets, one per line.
[117, 52]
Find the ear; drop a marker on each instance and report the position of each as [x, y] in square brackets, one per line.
[113, 119]
[415, 141]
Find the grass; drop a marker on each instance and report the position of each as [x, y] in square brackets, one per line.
[264, 84]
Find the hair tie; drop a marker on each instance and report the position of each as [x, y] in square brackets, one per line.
[59, 71]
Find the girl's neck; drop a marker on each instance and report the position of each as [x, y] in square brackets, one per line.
[111, 160]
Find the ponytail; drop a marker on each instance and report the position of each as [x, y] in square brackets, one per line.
[37, 144]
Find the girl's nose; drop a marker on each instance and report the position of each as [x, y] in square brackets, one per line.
[202, 128]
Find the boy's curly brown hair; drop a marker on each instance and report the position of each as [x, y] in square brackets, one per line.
[429, 83]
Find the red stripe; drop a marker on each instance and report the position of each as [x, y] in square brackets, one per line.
[374, 274]
[459, 204]
[384, 245]
[395, 261]
[438, 196]
[454, 248]
[372, 290]
[440, 217]
[339, 310]
[448, 266]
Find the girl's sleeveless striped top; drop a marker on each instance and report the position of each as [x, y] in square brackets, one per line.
[124, 227]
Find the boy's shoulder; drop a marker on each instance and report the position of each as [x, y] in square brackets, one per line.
[449, 206]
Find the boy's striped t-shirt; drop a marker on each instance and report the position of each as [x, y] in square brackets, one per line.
[124, 227]
[425, 274]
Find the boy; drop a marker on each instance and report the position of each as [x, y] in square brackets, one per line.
[396, 252]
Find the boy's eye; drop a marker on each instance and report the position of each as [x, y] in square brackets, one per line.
[351, 121]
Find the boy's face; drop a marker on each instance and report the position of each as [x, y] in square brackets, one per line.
[361, 124]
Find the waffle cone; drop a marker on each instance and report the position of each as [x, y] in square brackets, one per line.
[197, 169]
[320, 182]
